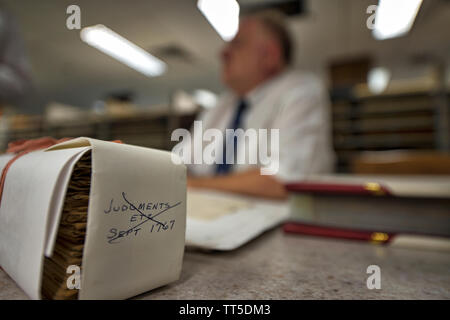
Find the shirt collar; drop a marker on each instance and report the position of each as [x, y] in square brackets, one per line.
[255, 95]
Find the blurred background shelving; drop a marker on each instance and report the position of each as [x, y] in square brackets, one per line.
[407, 115]
[145, 129]
[407, 121]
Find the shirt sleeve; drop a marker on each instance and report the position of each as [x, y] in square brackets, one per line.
[304, 136]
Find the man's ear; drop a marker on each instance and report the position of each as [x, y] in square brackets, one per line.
[273, 56]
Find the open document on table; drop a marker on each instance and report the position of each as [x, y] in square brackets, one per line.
[223, 221]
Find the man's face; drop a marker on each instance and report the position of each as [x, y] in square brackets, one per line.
[243, 57]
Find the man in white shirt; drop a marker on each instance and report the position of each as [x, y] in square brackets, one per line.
[266, 94]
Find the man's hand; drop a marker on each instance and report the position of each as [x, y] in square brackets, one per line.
[249, 182]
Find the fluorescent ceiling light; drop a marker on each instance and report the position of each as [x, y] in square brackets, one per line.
[111, 43]
[378, 79]
[395, 18]
[205, 98]
[223, 15]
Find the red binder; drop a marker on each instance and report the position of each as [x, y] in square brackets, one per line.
[370, 188]
[332, 232]
[370, 208]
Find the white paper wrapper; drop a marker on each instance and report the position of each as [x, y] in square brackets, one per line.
[132, 190]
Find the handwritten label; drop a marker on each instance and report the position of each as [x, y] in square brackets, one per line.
[141, 217]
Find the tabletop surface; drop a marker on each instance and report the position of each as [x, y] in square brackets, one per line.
[285, 266]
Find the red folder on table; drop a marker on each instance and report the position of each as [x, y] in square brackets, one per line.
[370, 208]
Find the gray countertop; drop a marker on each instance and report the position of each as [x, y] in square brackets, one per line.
[283, 266]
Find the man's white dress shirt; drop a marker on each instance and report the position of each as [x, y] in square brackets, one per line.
[294, 102]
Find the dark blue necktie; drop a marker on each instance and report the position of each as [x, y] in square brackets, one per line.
[223, 168]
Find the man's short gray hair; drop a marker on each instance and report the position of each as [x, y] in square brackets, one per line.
[275, 22]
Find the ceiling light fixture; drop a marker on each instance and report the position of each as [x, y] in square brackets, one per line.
[205, 98]
[223, 15]
[113, 44]
[395, 18]
[378, 79]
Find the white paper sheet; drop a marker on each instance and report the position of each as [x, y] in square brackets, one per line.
[24, 212]
[240, 219]
[57, 201]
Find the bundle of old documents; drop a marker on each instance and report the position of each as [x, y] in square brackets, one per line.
[89, 219]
